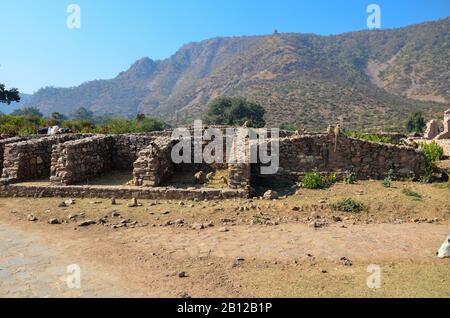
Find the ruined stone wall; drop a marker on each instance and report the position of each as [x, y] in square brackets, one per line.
[31, 158]
[127, 147]
[7, 141]
[364, 158]
[80, 160]
[154, 163]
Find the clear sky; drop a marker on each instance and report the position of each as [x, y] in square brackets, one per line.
[38, 49]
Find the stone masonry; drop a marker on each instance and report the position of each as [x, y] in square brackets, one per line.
[82, 159]
[31, 158]
[154, 163]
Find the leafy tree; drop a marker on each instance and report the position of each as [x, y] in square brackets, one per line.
[235, 111]
[8, 96]
[416, 123]
[82, 113]
[29, 112]
[58, 117]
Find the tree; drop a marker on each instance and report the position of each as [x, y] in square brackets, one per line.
[235, 111]
[9, 96]
[416, 123]
[58, 117]
[29, 112]
[83, 114]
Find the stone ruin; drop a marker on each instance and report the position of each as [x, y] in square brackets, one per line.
[67, 161]
[432, 132]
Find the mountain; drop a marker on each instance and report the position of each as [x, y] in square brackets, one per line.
[366, 79]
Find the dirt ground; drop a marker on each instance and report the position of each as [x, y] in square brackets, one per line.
[296, 246]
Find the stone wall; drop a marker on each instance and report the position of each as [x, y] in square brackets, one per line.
[31, 158]
[154, 163]
[80, 160]
[128, 146]
[301, 154]
[7, 141]
[83, 191]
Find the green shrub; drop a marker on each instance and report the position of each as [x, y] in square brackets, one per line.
[349, 205]
[417, 196]
[314, 180]
[387, 181]
[370, 137]
[433, 152]
[349, 178]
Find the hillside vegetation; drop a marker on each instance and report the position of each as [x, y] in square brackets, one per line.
[365, 80]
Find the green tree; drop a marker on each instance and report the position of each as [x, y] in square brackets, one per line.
[8, 96]
[29, 112]
[225, 110]
[58, 117]
[82, 113]
[416, 123]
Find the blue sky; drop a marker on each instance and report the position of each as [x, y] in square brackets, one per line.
[39, 50]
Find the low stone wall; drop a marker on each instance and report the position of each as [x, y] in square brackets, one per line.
[325, 153]
[128, 146]
[82, 159]
[154, 163]
[31, 158]
[157, 193]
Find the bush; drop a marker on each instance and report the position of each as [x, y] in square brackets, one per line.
[387, 181]
[349, 178]
[411, 193]
[349, 205]
[370, 137]
[314, 180]
[433, 152]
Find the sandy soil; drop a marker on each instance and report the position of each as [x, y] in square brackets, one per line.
[236, 257]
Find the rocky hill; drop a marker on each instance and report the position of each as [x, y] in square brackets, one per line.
[366, 79]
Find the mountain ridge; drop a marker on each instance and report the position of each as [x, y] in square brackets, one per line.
[365, 78]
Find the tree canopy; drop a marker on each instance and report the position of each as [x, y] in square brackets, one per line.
[8, 96]
[27, 112]
[225, 110]
[416, 123]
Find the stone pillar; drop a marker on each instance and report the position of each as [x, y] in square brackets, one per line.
[446, 133]
[432, 129]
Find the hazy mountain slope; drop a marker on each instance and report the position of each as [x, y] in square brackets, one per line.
[367, 78]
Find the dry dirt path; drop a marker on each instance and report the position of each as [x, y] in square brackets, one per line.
[34, 257]
[29, 267]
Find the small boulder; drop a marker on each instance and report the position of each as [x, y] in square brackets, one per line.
[54, 221]
[86, 223]
[31, 218]
[200, 178]
[270, 195]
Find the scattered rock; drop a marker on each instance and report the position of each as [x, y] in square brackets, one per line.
[271, 195]
[31, 218]
[295, 208]
[337, 218]
[62, 205]
[179, 222]
[113, 201]
[165, 212]
[181, 203]
[210, 176]
[54, 221]
[182, 274]
[69, 202]
[197, 226]
[223, 229]
[345, 261]
[86, 223]
[200, 178]
[134, 203]
[115, 214]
